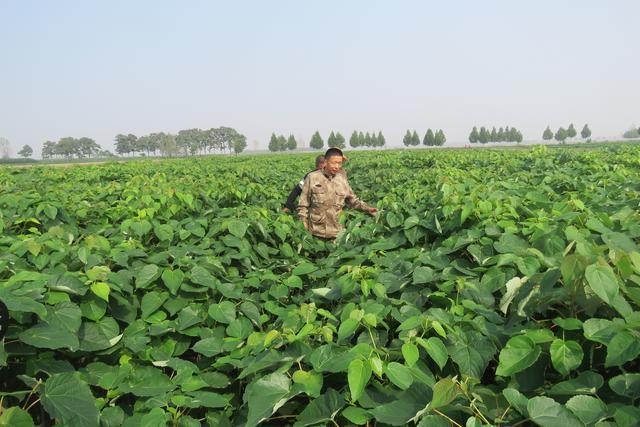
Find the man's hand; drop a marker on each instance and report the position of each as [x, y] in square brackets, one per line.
[373, 211]
[285, 209]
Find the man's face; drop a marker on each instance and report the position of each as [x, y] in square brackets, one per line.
[333, 165]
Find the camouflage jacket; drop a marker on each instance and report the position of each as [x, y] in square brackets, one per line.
[322, 200]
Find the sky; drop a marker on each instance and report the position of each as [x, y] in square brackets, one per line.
[98, 68]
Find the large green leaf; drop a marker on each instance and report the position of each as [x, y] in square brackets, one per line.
[15, 417]
[358, 376]
[587, 408]
[320, 410]
[623, 347]
[399, 375]
[69, 400]
[265, 396]
[399, 411]
[566, 355]
[58, 330]
[546, 412]
[602, 280]
[519, 353]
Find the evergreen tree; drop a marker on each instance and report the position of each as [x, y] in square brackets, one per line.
[473, 136]
[353, 140]
[316, 141]
[440, 139]
[361, 139]
[339, 142]
[273, 142]
[500, 137]
[367, 140]
[291, 143]
[547, 135]
[407, 138]
[494, 135]
[331, 141]
[380, 141]
[571, 131]
[415, 139]
[429, 138]
[484, 135]
[585, 132]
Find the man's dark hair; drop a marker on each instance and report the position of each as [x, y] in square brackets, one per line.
[333, 152]
[319, 160]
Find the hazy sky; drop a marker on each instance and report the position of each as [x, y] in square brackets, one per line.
[89, 68]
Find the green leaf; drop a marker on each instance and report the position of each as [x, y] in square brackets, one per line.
[436, 350]
[164, 232]
[399, 411]
[566, 355]
[145, 381]
[517, 400]
[304, 268]
[209, 399]
[622, 348]
[312, 381]
[69, 401]
[399, 375]
[586, 382]
[152, 301]
[423, 275]
[265, 396]
[358, 375]
[355, 415]
[547, 412]
[172, 279]
[237, 228]
[101, 290]
[444, 392]
[201, 276]
[321, 410]
[155, 418]
[59, 330]
[519, 353]
[347, 328]
[568, 324]
[587, 408]
[410, 353]
[15, 417]
[146, 275]
[626, 385]
[99, 335]
[224, 312]
[470, 351]
[602, 280]
[209, 346]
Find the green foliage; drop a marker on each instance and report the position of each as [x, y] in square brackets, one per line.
[494, 287]
[547, 135]
[316, 141]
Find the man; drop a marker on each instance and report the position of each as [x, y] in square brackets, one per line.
[324, 194]
[290, 204]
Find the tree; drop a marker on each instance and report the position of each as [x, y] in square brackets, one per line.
[585, 132]
[501, 136]
[473, 136]
[632, 133]
[282, 143]
[406, 140]
[239, 143]
[48, 149]
[291, 143]
[26, 151]
[518, 138]
[167, 145]
[353, 140]
[331, 141]
[571, 131]
[547, 135]
[484, 135]
[439, 138]
[515, 135]
[494, 135]
[415, 139]
[429, 138]
[124, 143]
[361, 139]
[561, 135]
[380, 141]
[273, 142]
[339, 141]
[367, 140]
[316, 141]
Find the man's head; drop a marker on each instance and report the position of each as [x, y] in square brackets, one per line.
[319, 162]
[333, 160]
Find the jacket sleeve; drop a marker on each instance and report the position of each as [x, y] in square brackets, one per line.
[305, 202]
[291, 200]
[354, 202]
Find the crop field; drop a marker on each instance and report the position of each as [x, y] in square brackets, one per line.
[494, 287]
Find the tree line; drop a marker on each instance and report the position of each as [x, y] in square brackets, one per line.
[68, 147]
[186, 142]
[503, 134]
[431, 138]
[562, 134]
[335, 139]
